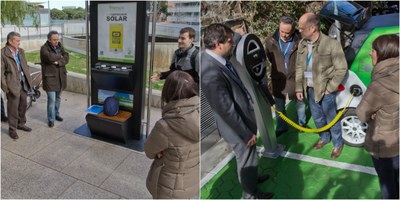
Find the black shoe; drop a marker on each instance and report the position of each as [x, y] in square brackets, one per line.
[58, 118]
[264, 195]
[51, 124]
[262, 178]
[24, 128]
[4, 118]
[13, 134]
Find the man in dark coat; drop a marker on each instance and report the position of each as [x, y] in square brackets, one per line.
[15, 82]
[231, 104]
[281, 49]
[53, 59]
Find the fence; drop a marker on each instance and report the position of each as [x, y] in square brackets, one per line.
[63, 27]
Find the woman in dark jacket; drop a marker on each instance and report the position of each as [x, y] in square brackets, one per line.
[380, 109]
[174, 141]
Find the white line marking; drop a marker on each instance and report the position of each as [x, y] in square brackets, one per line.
[295, 156]
[330, 163]
[217, 168]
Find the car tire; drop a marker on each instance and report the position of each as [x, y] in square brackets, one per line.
[353, 130]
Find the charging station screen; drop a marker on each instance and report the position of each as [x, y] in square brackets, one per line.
[125, 99]
[117, 32]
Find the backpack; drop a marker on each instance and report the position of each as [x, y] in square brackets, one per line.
[193, 57]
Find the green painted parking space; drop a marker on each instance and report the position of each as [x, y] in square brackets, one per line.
[300, 179]
[296, 179]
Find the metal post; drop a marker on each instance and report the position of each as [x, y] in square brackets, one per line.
[153, 41]
[48, 5]
[87, 54]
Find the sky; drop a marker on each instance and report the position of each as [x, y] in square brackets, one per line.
[59, 4]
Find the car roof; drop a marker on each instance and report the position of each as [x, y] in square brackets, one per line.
[374, 22]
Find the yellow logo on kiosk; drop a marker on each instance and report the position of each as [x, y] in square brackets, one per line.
[116, 38]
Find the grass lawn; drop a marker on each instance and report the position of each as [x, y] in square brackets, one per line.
[77, 63]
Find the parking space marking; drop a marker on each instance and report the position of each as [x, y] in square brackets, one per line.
[330, 163]
[295, 156]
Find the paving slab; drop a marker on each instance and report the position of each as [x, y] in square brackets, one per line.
[33, 141]
[97, 163]
[129, 178]
[56, 163]
[63, 151]
[42, 183]
[82, 190]
[14, 168]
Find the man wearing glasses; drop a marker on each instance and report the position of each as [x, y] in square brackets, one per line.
[281, 50]
[232, 106]
[320, 68]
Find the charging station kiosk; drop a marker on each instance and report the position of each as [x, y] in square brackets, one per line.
[249, 60]
[118, 49]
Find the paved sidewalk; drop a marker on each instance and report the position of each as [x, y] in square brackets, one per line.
[57, 163]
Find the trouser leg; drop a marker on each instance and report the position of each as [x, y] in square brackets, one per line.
[22, 108]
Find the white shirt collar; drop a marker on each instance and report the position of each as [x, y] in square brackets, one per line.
[217, 57]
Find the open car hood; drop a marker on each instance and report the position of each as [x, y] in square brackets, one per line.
[348, 12]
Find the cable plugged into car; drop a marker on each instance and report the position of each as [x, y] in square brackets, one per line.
[356, 90]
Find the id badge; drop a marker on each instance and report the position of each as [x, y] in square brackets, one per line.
[307, 74]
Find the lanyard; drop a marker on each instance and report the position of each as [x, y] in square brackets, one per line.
[309, 58]
[287, 47]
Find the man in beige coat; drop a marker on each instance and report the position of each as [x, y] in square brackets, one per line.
[15, 82]
[320, 68]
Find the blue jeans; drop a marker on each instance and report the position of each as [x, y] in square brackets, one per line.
[53, 105]
[301, 114]
[388, 174]
[324, 112]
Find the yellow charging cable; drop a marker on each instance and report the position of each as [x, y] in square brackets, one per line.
[326, 127]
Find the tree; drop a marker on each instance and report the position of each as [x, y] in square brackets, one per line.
[57, 14]
[14, 13]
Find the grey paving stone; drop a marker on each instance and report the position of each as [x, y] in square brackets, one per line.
[14, 168]
[96, 164]
[129, 179]
[5, 138]
[82, 190]
[33, 142]
[42, 183]
[72, 120]
[8, 194]
[63, 151]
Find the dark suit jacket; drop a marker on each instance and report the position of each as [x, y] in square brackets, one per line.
[232, 109]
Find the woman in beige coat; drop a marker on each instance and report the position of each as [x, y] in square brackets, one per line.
[380, 109]
[174, 141]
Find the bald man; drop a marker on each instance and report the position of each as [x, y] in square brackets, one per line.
[320, 68]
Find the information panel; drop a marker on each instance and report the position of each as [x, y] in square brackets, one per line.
[117, 32]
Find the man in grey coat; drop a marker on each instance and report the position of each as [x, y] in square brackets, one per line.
[231, 104]
[53, 59]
